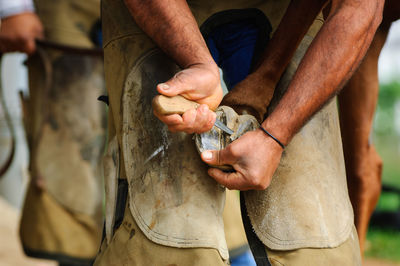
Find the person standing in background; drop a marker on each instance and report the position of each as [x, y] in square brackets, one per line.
[64, 124]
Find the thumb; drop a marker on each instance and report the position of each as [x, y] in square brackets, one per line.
[217, 157]
[173, 87]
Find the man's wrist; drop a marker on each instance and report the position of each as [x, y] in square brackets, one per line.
[277, 130]
[206, 63]
[272, 137]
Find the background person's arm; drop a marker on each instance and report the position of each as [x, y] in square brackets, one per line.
[329, 62]
[171, 25]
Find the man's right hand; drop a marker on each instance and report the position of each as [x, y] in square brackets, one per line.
[18, 33]
[172, 26]
[200, 83]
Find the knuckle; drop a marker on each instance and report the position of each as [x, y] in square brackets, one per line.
[190, 128]
[254, 182]
[233, 150]
[172, 129]
[210, 124]
[262, 184]
[229, 186]
[189, 131]
[258, 182]
[229, 149]
[200, 130]
[204, 127]
[189, 118]
[208, 128]
[183, 129]
[180, 77]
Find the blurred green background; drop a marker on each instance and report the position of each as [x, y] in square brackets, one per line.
[383, 243]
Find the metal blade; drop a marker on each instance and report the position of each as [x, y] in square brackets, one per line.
[222, 126]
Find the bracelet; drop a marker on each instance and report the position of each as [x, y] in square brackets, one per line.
[270, 135]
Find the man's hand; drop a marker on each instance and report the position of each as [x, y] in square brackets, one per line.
[254, 156]
[171, 25]
[18, 33]
[200, 83]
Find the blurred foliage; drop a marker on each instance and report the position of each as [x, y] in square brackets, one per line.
[389, 93]
[383, 244]
[389, 202]
[388, 148]
[386, 135]
[389, 96]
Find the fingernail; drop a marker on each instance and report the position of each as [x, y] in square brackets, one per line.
[163, 86]
[207, 155]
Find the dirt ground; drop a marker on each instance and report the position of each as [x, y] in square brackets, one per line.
[11, 253]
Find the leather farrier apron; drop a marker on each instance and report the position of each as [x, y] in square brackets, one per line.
[65, 128]
[171, 198]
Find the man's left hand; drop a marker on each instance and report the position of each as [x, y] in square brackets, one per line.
[254, 157]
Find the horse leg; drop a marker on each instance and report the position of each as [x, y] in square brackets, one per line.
[357, 103]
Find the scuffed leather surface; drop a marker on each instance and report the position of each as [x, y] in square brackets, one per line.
[65, 128]
[307, 203]
[171, 197]
[66, 133]
[111, 172]
[125, 41]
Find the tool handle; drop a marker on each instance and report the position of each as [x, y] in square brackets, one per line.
[172, 105]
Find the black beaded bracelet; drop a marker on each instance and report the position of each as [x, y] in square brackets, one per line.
[270, 135]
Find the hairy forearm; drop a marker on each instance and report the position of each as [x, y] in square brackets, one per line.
[253, 95]
[171, 25]
[328, 64]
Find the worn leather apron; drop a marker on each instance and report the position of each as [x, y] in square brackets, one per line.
[307, 204]
[168, 183]
[65, 128]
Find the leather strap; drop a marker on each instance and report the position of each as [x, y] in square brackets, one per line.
[4, 167]
[256, 246]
